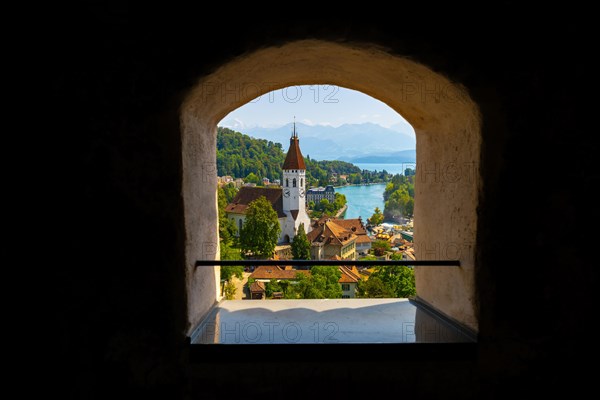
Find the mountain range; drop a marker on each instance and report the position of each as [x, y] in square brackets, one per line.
[366, 142]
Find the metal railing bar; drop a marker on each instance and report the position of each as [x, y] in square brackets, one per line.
[308, 263]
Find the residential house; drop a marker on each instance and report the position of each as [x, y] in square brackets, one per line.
[263, 274]
[349, 281]
[329, 239]
[257, 290]
[363, 241]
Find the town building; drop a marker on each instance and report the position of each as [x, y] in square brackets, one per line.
[356, 225]
[330, 232]
[328, 239]
[317, 194]
[257, 290]
[349, 281]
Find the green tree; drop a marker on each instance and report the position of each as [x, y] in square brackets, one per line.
[227, 231]
[322, 283]
[380, 247]
[376, 218]
[398, 279]
[227, 227]
[323, 204]
[230, 191]
[272, 286]
[328, 276]
[229, 291]
[229, 271]
[301, 245]
[252, 178]
[373, 288]
[261, 229]
[339, 202]
[399, 196]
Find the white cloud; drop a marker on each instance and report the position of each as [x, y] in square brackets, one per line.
[363, 116]
[307, 122]
[234, 123]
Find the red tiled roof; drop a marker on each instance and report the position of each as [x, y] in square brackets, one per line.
[356, 223]
[294, 159]
[257, 287]
[275, 272]
[348, 276]
[330, 233]
[246, 195]
[363, 239]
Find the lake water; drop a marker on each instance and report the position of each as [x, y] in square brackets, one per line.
[390, 168]
[362, 200]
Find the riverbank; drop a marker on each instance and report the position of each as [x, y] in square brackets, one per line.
[360, 184]
[341, 211]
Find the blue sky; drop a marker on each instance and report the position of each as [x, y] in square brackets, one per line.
[314, 105]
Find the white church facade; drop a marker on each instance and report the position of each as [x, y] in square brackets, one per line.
[289, 200]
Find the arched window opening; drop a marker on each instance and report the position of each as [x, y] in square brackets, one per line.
[447, 182]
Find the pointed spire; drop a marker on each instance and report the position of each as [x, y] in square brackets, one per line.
[294, 159]
[294, 134]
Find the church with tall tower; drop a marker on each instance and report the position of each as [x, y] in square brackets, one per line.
[294, 189]
[289, 200]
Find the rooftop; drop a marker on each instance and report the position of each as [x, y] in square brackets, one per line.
[329, 188]
[329, 232]
[294, 158]
[246, 195]
[275, 272]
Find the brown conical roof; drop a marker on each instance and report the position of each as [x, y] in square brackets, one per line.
[294, 159]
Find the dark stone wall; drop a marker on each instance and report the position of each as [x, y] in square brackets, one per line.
[118, 74]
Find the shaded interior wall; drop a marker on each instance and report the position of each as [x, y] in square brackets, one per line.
[447, 127]
[121, 311]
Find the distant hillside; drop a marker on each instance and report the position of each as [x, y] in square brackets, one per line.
[340, 143]
[238, 155]
[405, 156]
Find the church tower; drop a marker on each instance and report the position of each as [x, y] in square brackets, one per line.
[294, 189]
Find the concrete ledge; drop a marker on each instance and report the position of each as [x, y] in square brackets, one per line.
[327, 321]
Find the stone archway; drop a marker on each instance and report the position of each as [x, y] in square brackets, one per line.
[448, 133]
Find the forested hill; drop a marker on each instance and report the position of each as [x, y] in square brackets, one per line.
[240, 155]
